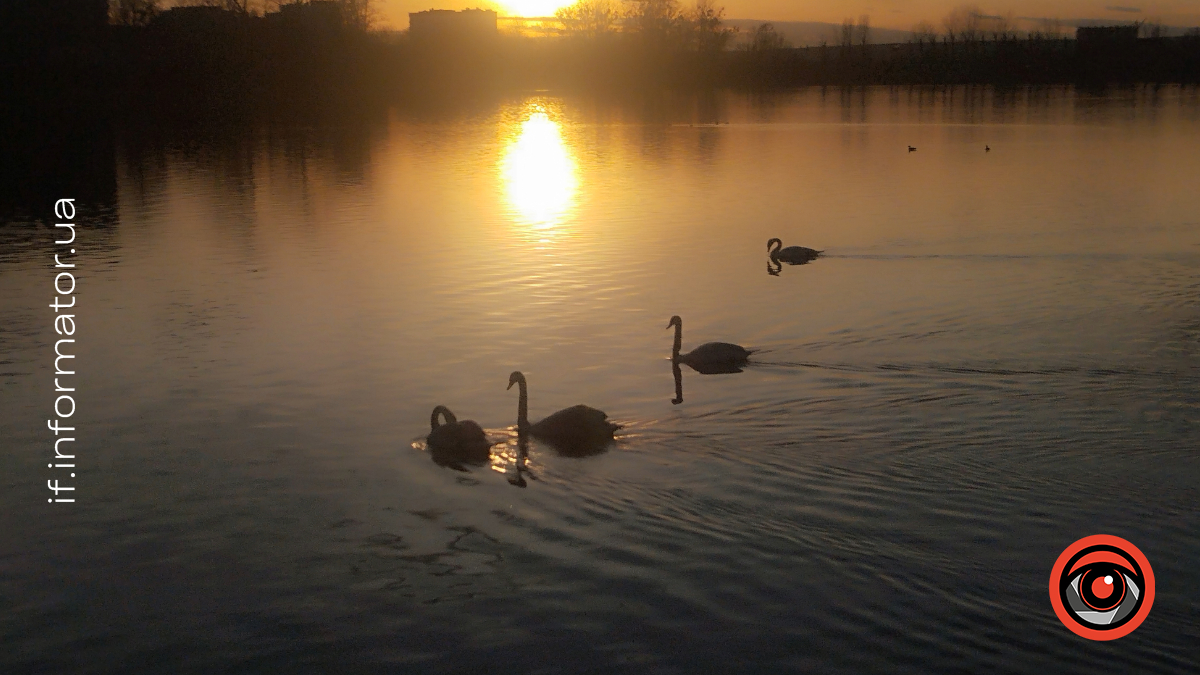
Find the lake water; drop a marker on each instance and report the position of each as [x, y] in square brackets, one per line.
[998, 355]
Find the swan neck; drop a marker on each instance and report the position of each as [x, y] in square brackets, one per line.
[443, 410]
[523, 407]
[775, 246]
[678, 340]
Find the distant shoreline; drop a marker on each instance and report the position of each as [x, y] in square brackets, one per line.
[211, 64]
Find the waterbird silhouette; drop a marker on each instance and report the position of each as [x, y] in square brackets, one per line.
[792, 255]
[710, 358]
[455, 442]
[911, 149]
[577, 431]
[987, 148]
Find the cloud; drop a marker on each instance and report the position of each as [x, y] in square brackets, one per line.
[1124, 9]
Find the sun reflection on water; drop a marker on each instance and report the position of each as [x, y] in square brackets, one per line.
[538, 172]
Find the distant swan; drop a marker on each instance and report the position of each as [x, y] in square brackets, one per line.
[577, 430]
[793, 255]
[710, 357]
[987, 148]
[911, 149]
[456, 441]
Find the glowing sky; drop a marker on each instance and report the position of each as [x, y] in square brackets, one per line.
[884, 13]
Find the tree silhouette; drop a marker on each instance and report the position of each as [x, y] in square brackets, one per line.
[134, 12]
[710, 35]
[589, 19]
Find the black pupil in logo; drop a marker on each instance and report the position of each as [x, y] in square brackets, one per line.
[1102, 587]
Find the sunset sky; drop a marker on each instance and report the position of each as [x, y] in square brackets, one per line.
[900, 14]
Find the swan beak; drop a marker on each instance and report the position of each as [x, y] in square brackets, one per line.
[510, 384]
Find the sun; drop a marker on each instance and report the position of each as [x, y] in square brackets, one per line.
[532, 8]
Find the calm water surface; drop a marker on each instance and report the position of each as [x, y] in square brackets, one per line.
[999, 354]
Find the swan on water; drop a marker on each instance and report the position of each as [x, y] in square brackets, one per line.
[714, 357]
[793, 255]
[456, 441]
[578, 430]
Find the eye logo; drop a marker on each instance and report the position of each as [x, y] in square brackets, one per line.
[1102, 587]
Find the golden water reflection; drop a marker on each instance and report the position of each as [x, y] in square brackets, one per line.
[539, 174]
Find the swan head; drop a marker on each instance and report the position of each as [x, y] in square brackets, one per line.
[675, 321]
[515, 378]
[774, 242]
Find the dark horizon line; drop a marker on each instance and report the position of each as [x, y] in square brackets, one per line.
[1073, 23]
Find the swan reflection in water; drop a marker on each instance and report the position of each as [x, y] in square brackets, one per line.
[710, 358]
[703, 369]
[521, 463]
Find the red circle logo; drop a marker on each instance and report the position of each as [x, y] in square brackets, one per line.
[1102, 587]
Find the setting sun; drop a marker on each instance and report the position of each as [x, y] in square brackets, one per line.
[532, 8]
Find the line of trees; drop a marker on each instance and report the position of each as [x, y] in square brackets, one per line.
[355, 13]
[661, 23]
[968, 24]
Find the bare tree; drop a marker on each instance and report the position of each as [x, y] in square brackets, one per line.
[236, 6]
[711, 36]
[847, 37]
[923, 33]
[765, 39]
[589, 19]
[863, 30]
[657, 21]
[1048, 29]
[962, 23]
[358, 14]
[134, 12]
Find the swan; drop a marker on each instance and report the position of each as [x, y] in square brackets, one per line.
[911, 149]
[710, 357]
[987, 148]
[793, 255]
[578, 430]
[456, 441]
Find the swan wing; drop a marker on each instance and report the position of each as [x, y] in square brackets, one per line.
[574, 423]
[798, 254]
[461, 441]
[716, 352]
[578, 431]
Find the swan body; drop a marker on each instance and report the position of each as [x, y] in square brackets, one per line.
[716, 357]
[456, 441]
[793, 255]
[578, 430]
